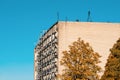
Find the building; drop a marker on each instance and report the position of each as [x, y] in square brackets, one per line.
[48, 52]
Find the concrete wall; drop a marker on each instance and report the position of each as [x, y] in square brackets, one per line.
[101, 36]
[46, 39]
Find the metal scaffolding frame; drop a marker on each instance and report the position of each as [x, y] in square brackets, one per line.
[47, 56]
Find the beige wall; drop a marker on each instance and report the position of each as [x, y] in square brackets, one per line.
[101, 36]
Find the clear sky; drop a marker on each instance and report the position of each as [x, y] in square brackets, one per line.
[22, 22]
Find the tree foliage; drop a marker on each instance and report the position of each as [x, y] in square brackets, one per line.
[112, 68]
[80, 62]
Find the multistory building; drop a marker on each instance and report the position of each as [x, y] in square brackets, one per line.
[48, 52]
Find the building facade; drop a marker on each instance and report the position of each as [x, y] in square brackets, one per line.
[48, 52]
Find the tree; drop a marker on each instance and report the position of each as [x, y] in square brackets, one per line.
[80, 62]
[112, 68]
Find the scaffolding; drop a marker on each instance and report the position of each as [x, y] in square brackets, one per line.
[47, 56]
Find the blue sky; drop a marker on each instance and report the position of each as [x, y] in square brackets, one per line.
[22, 22]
